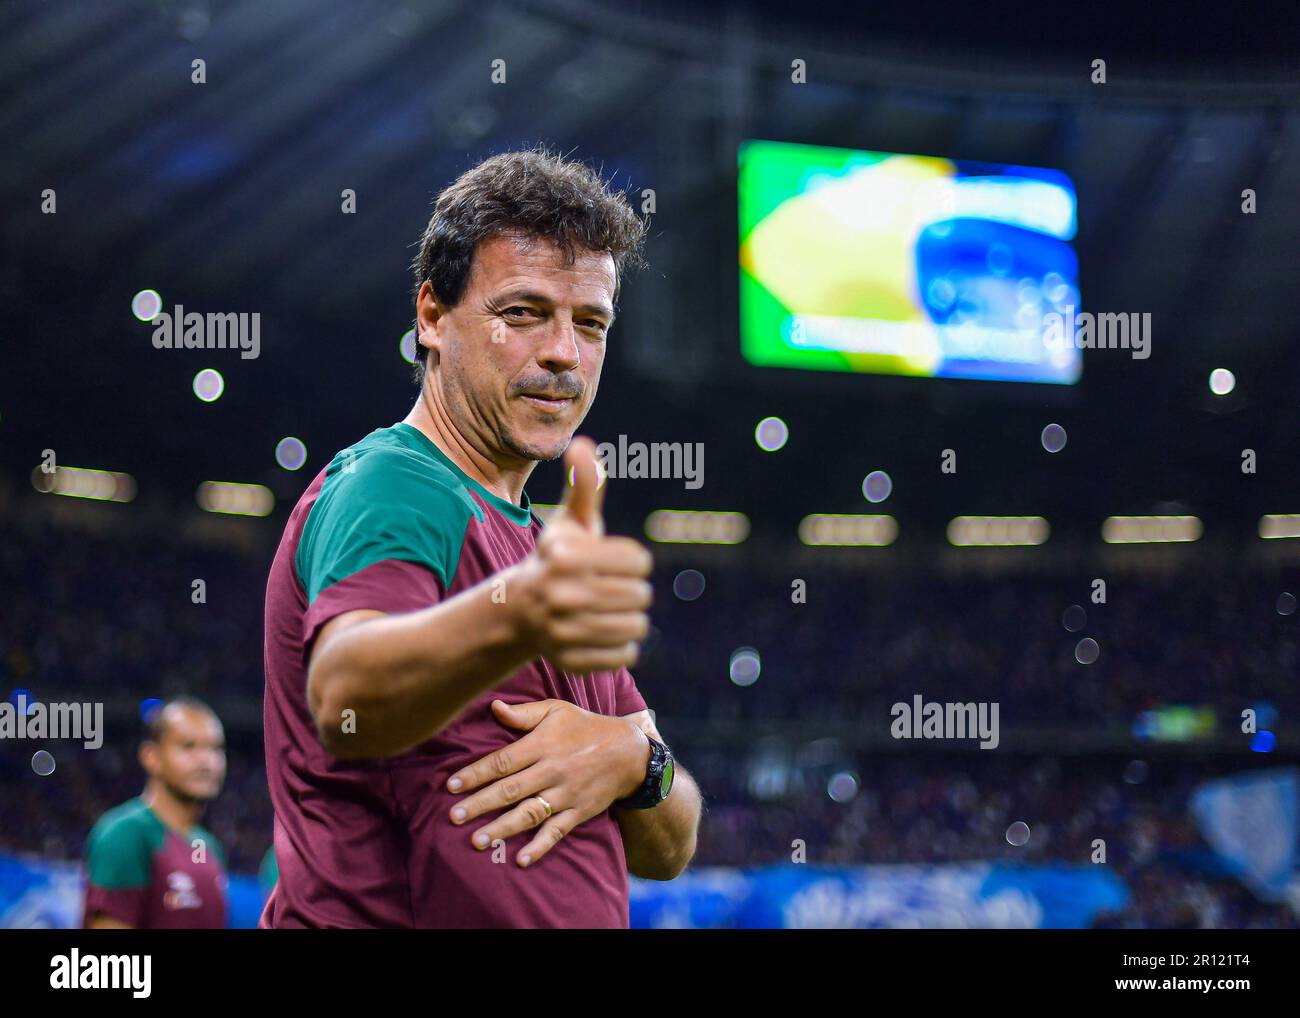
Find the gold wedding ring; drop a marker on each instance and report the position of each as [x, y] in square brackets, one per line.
[545, 805]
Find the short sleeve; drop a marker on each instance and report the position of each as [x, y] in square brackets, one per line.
[384, 534]
[118, 860]
[390, 586]
[627, 698]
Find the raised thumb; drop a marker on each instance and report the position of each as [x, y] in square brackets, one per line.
[584, 490]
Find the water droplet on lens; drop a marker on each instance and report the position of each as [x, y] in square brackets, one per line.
[688, 584]
[1053, 438]
[1018, 833]
[209, 385]
[842, 786]
[146, 304]
[1087, 651]
[745, 666]
[876, 486]
[771, 434]
[290, 453]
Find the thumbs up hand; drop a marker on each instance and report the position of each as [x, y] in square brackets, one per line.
[585, 595]
[584, 497]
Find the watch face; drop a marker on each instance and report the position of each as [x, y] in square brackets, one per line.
[666, 782]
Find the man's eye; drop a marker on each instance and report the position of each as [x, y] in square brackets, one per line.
[523, 309]
[594, 324]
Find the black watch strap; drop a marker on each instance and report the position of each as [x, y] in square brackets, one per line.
[658, 779]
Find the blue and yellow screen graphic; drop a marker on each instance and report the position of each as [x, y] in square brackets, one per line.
[905, 265]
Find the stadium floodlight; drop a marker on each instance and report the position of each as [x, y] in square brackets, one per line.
[847, 530]
[1150, 529]
[674, 526]
[235, 499]
[79, 482]
[997, 531]
[1274, 526]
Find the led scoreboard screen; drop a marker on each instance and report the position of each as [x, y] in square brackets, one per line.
[905, 265]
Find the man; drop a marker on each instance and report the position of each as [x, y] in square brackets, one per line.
[453, 738]
[149, 865]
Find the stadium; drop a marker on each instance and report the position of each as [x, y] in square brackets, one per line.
[955, 402]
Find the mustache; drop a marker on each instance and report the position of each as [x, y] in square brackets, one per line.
[558, 386]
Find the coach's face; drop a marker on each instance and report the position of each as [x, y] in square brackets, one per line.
[519, 358]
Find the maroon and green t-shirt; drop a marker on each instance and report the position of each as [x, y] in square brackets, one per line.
[141, 872]
[393, 524]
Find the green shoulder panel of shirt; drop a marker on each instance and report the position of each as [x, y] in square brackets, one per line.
[268, 873]
[122, 844]
[393, 495]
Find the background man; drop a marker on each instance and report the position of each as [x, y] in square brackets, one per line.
[149, 864]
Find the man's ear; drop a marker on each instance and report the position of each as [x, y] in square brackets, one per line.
[148, 755]
[427, 312]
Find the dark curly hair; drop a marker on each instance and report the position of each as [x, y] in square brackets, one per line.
[534, 192]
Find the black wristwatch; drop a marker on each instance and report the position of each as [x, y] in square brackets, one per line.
[658, 779]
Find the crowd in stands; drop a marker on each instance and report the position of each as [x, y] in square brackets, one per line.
[93, 616]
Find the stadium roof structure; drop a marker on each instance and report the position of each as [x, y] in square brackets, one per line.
[226, 196]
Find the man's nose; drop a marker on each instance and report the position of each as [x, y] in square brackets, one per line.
[559, 351]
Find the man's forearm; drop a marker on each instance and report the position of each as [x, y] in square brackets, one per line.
[405, 677]
[660, 842]
[579, 599]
